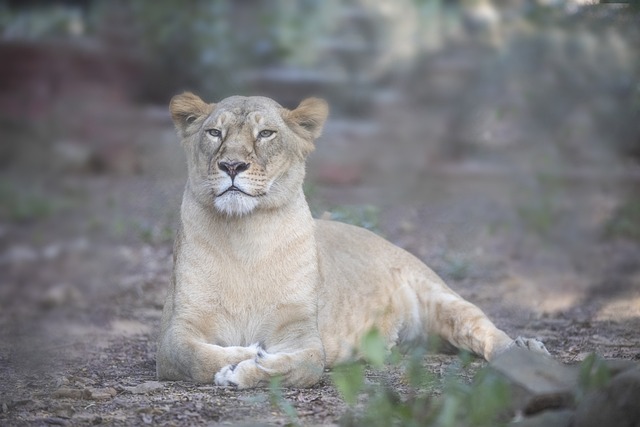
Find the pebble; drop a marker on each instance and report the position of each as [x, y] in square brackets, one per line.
[146, 387]
[71, 393]
[85, 393]
[56, 421]
[103, 393]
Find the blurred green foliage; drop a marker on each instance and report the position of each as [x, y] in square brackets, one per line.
[278, 400]
[209, 46]
[199, 45]
[538, 208]
[44, 22]
[19, 204]
[483, 402]
[366, 216]
[457, 267]
[593, 374]
[625, 221]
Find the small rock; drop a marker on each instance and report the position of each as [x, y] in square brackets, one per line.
[98, 395]
[56, 421]
[64, 412]
[85, 418]
[62, 380]
[146, 387]
[615, 404]
[71, 393]
[83, 381]
[103, 394]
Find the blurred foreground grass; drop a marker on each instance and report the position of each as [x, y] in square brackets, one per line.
[469, 396]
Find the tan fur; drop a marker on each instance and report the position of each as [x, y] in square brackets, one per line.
[259, 287]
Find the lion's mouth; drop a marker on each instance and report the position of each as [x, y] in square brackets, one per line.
[233, 189]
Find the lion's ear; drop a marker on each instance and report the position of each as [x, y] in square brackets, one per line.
[187, 108]
[309, 117]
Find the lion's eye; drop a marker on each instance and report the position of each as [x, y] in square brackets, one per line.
[266, 133]
[216, 133]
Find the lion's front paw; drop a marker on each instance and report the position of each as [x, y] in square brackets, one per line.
[255, 350]
[530, 344]
[227, 377]
[247, 373]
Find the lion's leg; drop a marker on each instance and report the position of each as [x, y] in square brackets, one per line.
[467, 327]
[301, 368]
[464, 325]
[186, 356]
[458, 321]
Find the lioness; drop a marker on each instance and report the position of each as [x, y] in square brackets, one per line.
[262, 289]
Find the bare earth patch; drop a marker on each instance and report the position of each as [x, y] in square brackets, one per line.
[82, 287]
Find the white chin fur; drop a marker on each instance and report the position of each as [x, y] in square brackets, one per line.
[235, 204]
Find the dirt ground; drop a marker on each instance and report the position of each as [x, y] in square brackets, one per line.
[83, 283]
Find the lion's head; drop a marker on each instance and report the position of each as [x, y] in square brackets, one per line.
[246, 153]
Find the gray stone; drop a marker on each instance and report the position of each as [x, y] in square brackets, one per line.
[615, 404]
[618, 366]
[538, 382]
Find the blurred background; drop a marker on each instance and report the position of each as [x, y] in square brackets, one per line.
[499, 141]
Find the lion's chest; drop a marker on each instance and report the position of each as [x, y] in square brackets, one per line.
[241, 303]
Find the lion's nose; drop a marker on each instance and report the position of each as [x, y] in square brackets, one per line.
[233, 168]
